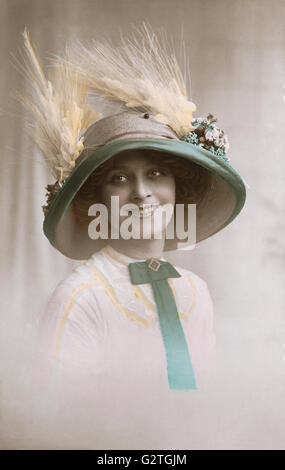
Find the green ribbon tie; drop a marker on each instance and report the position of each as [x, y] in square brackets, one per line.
[180, 371]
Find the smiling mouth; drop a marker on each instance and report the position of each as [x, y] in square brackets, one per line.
[146, 210]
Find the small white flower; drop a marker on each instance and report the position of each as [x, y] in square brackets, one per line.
[219, 142]
[216, 132]
[227, 145]
[209, 135]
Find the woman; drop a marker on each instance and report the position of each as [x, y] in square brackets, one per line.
[126, 319]
[98, 312]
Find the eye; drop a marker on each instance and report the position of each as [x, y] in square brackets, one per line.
[155, 172]
[118, 178]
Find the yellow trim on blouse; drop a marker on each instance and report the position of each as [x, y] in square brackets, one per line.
[67, 309]
[109, 291]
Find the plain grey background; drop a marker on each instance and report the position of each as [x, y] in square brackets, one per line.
[237, 59]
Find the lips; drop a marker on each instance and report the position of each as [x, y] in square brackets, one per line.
[146, 210]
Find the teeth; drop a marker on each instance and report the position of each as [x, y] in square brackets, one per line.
[146, 210]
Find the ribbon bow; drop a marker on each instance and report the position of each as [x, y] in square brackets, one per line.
[179, 366]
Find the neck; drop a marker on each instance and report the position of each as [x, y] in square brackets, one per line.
[138, 249]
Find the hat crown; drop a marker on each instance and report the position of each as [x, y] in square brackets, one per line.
[124, 125]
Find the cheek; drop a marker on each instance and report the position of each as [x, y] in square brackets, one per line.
[108, 191]
[167, 191]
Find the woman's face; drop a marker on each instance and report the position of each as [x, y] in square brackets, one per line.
[138, 178]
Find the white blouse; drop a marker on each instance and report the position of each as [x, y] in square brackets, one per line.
[102, 355]
[97, 320]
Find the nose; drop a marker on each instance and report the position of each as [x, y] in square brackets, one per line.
[141, 190]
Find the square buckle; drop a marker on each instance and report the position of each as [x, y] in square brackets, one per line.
[154, 264]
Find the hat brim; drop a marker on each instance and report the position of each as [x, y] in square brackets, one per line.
[221, 205]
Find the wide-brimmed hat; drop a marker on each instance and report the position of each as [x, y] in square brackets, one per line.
[156, 117]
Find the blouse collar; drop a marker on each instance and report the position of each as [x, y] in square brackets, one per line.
[120, 257]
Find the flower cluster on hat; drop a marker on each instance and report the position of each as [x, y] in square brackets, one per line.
[206, 134]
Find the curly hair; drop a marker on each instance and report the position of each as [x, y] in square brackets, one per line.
[192, 183]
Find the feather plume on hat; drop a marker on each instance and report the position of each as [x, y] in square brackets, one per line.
[58, 106]
[140, 73]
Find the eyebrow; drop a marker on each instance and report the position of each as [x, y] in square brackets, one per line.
[118, 167]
